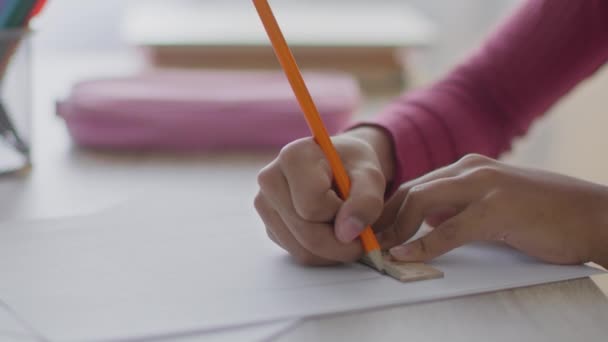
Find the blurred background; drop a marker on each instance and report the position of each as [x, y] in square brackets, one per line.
[100, 25]
[564, 141]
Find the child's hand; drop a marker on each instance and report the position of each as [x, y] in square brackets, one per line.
[299, 206]
[555, 218]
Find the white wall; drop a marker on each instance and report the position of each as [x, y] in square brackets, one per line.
[81, 25]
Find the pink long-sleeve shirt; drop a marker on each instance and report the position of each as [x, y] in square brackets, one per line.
[535, 57]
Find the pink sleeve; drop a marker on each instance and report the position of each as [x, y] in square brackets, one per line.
[539, 54]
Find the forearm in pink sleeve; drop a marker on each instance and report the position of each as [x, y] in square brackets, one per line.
[540, 53]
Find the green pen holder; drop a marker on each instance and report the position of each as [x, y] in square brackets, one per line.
[15, 100]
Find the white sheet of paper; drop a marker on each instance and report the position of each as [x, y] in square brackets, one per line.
[10, 337]
[135, 274]
[255, 333]
[11, 327]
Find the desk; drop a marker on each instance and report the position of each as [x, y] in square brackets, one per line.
[567, 311]
[69, 181]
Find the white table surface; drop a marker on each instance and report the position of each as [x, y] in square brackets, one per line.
[66, 180]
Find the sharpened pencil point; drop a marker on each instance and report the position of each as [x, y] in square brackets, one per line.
[375, 257]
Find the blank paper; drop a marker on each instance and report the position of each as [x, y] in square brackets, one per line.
[144, 273]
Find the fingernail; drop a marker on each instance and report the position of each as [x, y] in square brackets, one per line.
[349, 229]
[403, 252]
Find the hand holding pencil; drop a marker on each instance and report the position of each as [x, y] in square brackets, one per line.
[338, 174]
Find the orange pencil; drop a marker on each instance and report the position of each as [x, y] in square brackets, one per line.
[313, 119]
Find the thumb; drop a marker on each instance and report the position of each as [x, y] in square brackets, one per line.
[450, 234]
[363, 206]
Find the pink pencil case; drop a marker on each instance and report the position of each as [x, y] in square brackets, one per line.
[201, 109]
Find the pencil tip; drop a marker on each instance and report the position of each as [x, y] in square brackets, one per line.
[376, 259]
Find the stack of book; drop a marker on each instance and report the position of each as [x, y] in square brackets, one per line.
[370, 41]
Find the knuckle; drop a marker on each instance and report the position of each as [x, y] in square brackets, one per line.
[324, 178]
[314, 185]
[259, 202]
[267, 175]
[415, 194]
[374, 174]
[485, 173]
[349, 145]
[403, 189]
[297, 151]
[365, 169]
[369, 179]
[474, 159]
